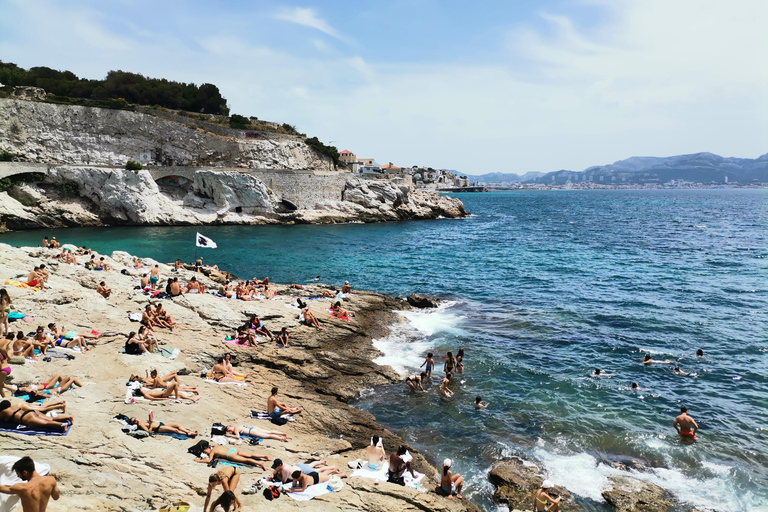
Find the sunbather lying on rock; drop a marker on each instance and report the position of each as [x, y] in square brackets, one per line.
[237, 431]
[153, 381]
[56, 384]
[158, 427]
[23, 414]
[301, 481]
[162, 394]
[233, 454]
[284, 472]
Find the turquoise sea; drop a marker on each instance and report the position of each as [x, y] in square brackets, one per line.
[541, 288]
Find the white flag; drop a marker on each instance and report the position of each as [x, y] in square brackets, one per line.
[204, 241]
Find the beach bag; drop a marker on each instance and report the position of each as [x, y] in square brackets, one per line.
[177, 506]
[218, 430]
[271, 492]
[197, 449]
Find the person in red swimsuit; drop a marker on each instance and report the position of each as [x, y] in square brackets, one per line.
[683, 424]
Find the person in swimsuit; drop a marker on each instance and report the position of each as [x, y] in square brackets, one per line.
[345, 288]
[544, 502]
[222, 452]
[647, 360]
[259, 327]
[282, 338]
[225, 502]
[5, 370]
[227, 477]
[414, 381]
[56, 384]
[307, 318]
[149, 341]
[36, 490]
[341, 312]
[153, 381]
[276, 408]
[699, 352]
[154, 427]
[103, 290]
[23, 414]
[301, 480]
[479, 404]
[460, 361]
[163, 318]
[236, 431]
[450, 365]
[5, 308]
[683, 424]
[399, 463]
[375, 453]
[163, 394]
[430, 363]
[444, 388]
[450, 483]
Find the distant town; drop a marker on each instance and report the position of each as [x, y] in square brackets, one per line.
[697, 171]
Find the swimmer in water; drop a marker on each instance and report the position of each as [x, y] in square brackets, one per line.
[699, 352]
[678, 371]
[479, 404]
[647, 360]
[599, 373]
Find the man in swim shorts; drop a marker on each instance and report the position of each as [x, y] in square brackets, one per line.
[683, 424]
[154, 276]
[276, 408]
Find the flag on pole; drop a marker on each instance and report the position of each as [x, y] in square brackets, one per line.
[204, 241]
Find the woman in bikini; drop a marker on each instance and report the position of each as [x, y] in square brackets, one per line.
[149, 341]
[339, 311]
[544, 502]
[153, 381]
[23, 414]
[223, 452]
[5, 370]
[415, 381]
[21, 347]
[444, 388]
[227, 477]
[450, 365]
[226, 362]
[460, 361]
[236, 432]
[56, 384]
[258, 326]
[450, 484]
[5, 308]
[163, 394]
[61, 340]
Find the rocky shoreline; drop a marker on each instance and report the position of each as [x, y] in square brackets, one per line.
[101, 468]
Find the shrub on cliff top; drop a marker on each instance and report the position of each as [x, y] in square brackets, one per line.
[133, 165]
[238, 122]
[324, 150]
[5, 156]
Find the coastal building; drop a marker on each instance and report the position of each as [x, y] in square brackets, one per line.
[391, 168]
[347, 157]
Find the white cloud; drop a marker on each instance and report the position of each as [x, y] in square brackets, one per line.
[308, 18]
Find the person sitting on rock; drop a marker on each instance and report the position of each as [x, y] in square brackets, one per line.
[103, 290]
[102, 265]
[245, 336]
[137, 263]
[71, 258]
[282, 338]
[135, 345]
[544, 502]
[45, 242]
[346, 288]
[399, 463]
[375, 453]
[307, 318]
[194, 286]
[341, 312]
[149, 341]
[54, 244]
[276, 408]
[450, 483]
[148, 318]
[223, 372]
[174, 289]
[259, 327]
[162, 317]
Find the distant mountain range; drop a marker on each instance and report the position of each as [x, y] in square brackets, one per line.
[697, 168]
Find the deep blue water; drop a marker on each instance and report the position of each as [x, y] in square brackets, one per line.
[543, 287]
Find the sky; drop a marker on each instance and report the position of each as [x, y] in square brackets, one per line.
[486, 86]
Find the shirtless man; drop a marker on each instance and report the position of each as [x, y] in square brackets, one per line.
[32, 277]
[144, 281]
[154, 276]
[375, 453]
[683, 424]
[275, 408]
[148, 317]
[346, 288]
[308, 318]
[162, 317]
[54, 244]
[44, 243]
[37, 489]
[103, 290]
[175, 288]
[102, 265]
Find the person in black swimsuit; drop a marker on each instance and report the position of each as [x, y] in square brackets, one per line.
[28, 416]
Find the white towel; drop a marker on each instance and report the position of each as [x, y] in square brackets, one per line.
[311, 492]
[9, 477]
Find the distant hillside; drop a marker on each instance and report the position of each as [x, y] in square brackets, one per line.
[499, 177]
[639, 170]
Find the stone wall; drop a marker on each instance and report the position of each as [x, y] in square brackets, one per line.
[305, 189]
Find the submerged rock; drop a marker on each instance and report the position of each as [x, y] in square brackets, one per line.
[627, 494]
[422, 301]
[516, 481]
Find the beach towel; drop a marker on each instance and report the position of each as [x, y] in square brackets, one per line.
[310, 492]
[342, 317]
[134, 317]
[31, 431]
[263, 415]
[9, 477]
[15, 315]
[170, 353]
[366, 472]
[211, 381]
[20, 284]
[233, 341]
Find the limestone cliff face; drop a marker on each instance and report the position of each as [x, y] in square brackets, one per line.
[48, 133]
[280, 180]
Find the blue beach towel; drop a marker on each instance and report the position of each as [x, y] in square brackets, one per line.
[31, 431]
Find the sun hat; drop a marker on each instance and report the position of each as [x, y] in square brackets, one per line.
[447, 462]
[546, 484]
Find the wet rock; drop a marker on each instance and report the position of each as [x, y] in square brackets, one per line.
[422, 301]
[626, 494]
[516, 481]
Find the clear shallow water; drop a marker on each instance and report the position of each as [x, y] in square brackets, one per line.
[545, 286]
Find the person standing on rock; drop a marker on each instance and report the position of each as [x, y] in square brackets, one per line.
[36, 489]
[154, 276]
[683, 424]
[5, 308]
[544, 502]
